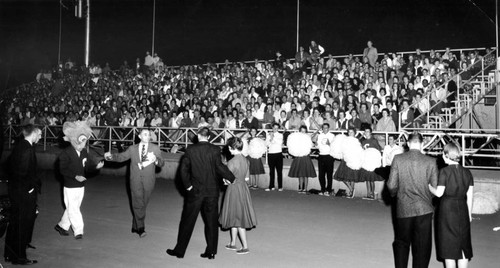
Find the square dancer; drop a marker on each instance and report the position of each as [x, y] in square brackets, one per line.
[143, 156]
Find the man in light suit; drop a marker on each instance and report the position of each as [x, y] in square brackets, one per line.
[201, 171]
[411, 174]
[143, 156]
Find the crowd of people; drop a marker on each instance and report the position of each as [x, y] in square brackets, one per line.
[345, 92]
[313, 94]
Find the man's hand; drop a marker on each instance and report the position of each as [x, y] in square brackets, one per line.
[152, 157]
[80, 178]
[108, 156]
[100, 165]
[226, 182]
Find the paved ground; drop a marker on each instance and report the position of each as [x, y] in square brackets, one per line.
[294, 231]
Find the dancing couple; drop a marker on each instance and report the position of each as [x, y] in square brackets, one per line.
[200, 171]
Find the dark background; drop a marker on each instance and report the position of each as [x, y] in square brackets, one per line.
[196, 31]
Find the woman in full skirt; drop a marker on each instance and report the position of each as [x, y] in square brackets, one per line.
[237, 212]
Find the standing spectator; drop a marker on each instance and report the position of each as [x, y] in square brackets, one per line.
[411, 174]
[24, 187]
[455, 187]
[315, 50]
[325, 160]
[301, 57]
[274, 142]
[148, 61]
[370, 53]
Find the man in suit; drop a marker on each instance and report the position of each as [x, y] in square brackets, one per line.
[201, 170]
[74, 165]
[143, 156]
[23, 188]
[411, 174]
[301, 57]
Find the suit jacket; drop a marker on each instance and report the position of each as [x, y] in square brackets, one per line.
[134, 155]
[411, 174]
[111, 117]
[22, 169]
[302, 59]
[71, 165]
[202, 168]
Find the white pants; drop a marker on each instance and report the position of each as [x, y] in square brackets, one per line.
[72, 216]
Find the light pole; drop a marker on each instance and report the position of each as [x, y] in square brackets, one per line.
[154, 22]
[87, 34]
[497, 68]
[298, 12]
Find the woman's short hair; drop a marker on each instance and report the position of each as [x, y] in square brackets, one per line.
[452, 152]
[235, 143]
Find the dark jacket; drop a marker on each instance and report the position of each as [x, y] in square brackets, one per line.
[22, 169]
[202, 168]
[71, 165]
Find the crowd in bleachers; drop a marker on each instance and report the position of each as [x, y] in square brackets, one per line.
[349, 92]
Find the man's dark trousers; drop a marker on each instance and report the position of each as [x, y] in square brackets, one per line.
[325, 166]
[417, 233]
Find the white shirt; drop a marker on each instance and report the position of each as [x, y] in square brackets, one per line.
[389, 153]
[275, 144]
[156, 122]
[324, 141]
[231, 124]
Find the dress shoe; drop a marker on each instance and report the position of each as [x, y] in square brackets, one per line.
[142, 233]
[24, 262]
[60, 230]
[30, 246]
[209, 256]
[7, 259]
[78, 237]
[171, 252]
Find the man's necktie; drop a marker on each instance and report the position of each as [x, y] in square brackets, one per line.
[143, 153]
[237, 123]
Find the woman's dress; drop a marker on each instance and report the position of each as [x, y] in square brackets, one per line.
[453, 223]
[237, 209]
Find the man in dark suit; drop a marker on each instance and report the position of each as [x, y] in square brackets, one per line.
[23, 189]
[411, 174]
[143, 156]
[201, 170]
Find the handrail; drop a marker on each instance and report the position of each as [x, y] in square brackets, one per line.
[428, 94]
[433, 140]
[343, 56]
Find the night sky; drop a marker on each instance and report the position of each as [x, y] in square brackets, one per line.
[196, 31]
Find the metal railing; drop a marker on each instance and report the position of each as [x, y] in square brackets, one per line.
[480, 150]
[482, 84]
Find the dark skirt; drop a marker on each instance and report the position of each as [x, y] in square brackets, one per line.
[345, 173]
[453, 229]
[256, 166]
[365, 175]
[237, 208]
[302, 167]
